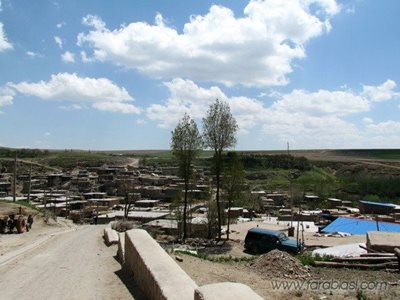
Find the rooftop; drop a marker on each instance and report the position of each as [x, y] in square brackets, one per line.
[359, 226]
[264, 231]
[378, 203]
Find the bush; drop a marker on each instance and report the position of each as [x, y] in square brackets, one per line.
[307, 259]
[281, 161]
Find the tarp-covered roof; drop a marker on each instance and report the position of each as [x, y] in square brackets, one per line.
[378, 203]
[357, 226]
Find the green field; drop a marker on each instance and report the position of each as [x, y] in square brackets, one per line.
[391, 154]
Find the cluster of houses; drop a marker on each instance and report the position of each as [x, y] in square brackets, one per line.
[278, 204]
[101, 194]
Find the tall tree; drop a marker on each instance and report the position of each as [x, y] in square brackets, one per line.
[232, 182]
[186, 143]
[219, 128]
[15, 178]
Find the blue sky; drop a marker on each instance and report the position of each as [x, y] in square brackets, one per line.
[320, 74]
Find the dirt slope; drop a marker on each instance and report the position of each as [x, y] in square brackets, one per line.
[73, 265]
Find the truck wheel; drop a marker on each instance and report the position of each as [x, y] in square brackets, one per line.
[255, 249]
[21, 225]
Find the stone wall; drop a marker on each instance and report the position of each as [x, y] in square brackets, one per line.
[154, 271]
[159, 277]
[110, 236]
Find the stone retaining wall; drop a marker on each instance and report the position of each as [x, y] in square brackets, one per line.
[159, 277]
[110, 236]
[155, 272]
[121, 248]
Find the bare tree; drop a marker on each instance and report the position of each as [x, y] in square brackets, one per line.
[219, 128]
[186, 143]
[232, 182]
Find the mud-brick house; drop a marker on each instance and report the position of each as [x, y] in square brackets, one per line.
[104, 202]
[5, 188]
[377, 208]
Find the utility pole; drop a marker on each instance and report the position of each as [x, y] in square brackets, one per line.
[377, 223]
[15, 178]
[66, 204]
[44, 199]
[30, 183]
[298, 227]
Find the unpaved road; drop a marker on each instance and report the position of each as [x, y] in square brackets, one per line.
[73, 265]
[133, 162]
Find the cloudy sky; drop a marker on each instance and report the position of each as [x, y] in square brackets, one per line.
[120, 74]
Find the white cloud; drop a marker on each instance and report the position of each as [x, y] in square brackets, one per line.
[323, 102]
[351, 10]
[73, 107]
[121, 107]
[85, 58]
[383, 92]
[331, 7]
[60, 25]
[367, 120]
[306, 119]
[385, 134]
[56, 4]
[185, 97]
[385, 128]
[304, 131]
[32, 54]
[101, 92]
[257, 49]
[58, 41]
[4, 43]
[66, 86]
[47, 134]
[94, 21]
[68, 57]
[262, 95]
[6, 96]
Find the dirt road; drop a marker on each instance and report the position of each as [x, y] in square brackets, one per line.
[133, 162]
[73, 265]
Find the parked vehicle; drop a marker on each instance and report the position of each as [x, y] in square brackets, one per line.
[12, 221]
[259, 240]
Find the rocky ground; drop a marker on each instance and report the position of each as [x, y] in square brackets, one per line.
[268, 280]
[264, 273]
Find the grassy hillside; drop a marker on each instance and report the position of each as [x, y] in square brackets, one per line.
[347, 174]
[68, 160]
[391, 154]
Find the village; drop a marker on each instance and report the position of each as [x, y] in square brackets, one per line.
[199, 150]
[342, 238]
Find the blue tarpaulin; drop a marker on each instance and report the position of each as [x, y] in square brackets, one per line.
[357, 226]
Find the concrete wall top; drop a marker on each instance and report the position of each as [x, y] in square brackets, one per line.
[383, 241]
[111, 236]
[172, 280]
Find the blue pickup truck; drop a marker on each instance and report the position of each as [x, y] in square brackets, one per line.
[259, 240]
